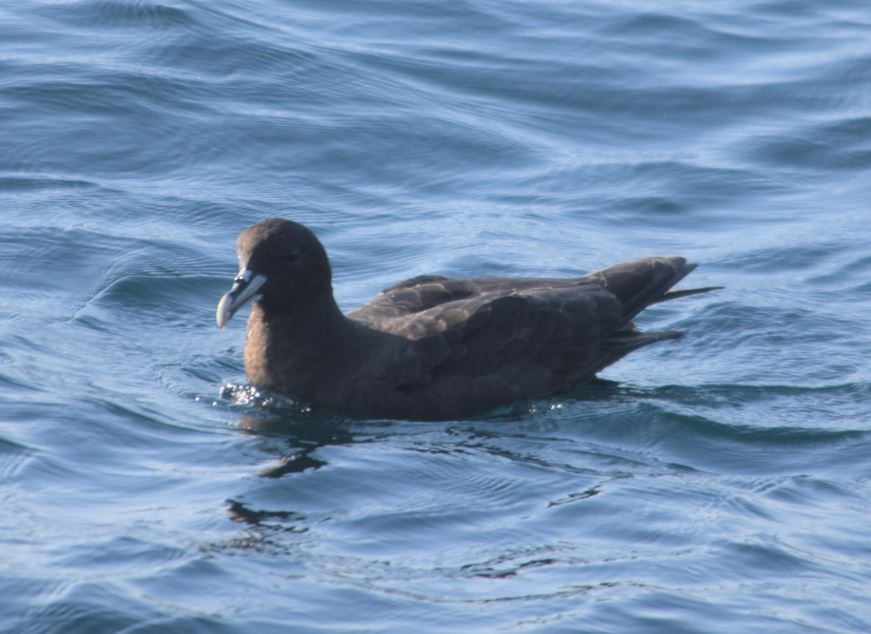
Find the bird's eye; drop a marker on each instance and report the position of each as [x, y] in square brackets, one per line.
[291, 257]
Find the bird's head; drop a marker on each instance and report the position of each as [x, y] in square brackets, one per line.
[282, 264]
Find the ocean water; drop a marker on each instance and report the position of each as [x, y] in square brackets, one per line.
[720, 483]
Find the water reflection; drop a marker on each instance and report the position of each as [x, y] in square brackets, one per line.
[303, 438]
[299, 442]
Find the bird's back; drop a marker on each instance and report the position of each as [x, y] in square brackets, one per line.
[488, 341]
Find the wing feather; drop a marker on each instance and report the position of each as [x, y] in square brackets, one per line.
[483, 340]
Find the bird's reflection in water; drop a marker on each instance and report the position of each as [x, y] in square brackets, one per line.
[238, 512]
[303, 437]
[300, 432]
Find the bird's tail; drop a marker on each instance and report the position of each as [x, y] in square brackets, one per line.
[640, 283]
[686, 292]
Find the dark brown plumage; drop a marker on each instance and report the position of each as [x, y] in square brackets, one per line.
[432, 347]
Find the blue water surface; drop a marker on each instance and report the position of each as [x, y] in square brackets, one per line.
[720, 483]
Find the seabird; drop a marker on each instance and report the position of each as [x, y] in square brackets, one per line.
[433, 347]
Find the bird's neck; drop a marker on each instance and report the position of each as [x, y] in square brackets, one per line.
[291, 350]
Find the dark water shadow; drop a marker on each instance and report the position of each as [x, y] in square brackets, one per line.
[303, 438]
